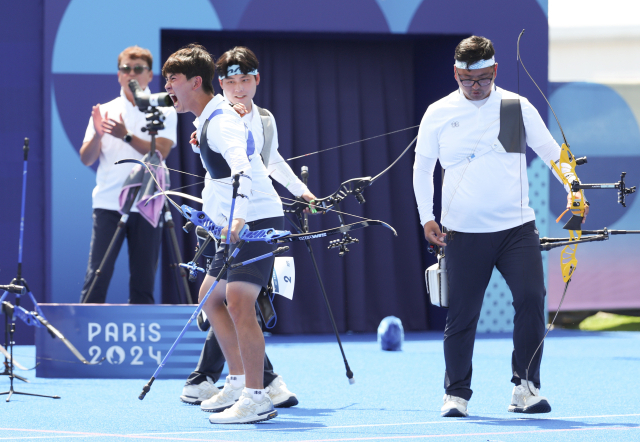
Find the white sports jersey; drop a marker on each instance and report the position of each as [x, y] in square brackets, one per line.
[485, 188]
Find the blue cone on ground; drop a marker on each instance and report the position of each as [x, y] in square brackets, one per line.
[391, 334]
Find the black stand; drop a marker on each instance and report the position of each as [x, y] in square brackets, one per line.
[18, 280]
[8, 339]
[304, 226]
[8, 309]
[176, 257]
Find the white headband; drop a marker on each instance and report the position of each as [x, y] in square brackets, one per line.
[235, 70]
[477, 65]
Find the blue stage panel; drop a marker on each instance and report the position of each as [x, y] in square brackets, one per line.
[133, 338]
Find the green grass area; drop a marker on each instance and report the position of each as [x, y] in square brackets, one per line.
[602, 321]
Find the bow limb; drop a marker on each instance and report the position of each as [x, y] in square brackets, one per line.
[13, 361]
[353, 186]
[142, 163]
[406, 149]
[334, 231]
[565, 172]
[180, 194]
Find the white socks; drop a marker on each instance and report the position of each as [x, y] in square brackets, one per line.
[257, 395]
[236, 380]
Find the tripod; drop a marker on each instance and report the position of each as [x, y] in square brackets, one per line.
[8, 310]
[19, 287]
[176, 257]
[19, 281]
[155, 119]
[9, 362]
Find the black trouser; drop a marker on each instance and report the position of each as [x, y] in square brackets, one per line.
[212, 362]
[143, 241]
[470, 258]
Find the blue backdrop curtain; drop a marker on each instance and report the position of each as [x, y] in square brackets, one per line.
[324, 92]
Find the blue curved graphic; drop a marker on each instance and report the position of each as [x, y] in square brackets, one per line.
[92, 34]
[599, 124]
[597, 121]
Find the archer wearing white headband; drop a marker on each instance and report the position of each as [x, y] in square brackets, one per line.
[480, 64]
[479, 133]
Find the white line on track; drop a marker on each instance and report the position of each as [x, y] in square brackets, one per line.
[417, 436]
[461, 435]
[76, 434]
[452, 421]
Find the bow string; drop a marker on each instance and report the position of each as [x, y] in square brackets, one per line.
[565, 169]
[201, 219]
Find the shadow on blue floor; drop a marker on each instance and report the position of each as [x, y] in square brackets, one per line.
[590, 379]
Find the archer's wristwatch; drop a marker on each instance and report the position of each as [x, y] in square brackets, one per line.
[128, 137]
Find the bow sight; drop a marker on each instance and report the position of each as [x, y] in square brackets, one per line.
[576, 186]
[620, 185]
[355, 187]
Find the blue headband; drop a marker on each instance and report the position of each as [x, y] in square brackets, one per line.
[477, 65]
[235, 70]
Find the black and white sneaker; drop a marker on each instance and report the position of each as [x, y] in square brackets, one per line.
[528, 400]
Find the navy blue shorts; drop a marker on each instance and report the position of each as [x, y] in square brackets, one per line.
[258, 272]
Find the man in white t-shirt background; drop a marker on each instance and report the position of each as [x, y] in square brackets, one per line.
[115, 133]
[486, 213]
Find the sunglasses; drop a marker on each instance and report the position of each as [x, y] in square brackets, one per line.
[125, 69]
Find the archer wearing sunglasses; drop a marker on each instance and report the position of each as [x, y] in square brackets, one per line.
[114, 133]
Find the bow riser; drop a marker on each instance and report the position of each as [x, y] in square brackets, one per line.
[354, 186]
[273, 236]
[567, 173]
[201, 219]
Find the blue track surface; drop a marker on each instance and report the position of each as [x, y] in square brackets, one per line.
[591, 380]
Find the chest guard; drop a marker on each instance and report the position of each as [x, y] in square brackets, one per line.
[267, 130]
[512, 133]
[215, 163]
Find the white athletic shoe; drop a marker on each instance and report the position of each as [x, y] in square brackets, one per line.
[224, 399]
[528, 400]
[246, 411]
[280, 395]
[194, 394]
[454, 407]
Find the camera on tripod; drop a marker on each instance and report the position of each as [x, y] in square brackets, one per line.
[149, 103]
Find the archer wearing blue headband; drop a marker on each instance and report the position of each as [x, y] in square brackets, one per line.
[479, 133]
[236, 70]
